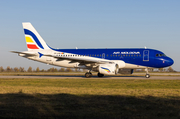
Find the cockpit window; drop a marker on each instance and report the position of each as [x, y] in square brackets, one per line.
[164, 55]
[160, 55]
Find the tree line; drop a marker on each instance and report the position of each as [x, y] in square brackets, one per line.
[22, 69]
[30, 69]
[167, 69]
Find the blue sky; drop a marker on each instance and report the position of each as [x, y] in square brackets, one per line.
[90, 24]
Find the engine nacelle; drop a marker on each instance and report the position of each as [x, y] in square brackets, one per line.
[109, 69]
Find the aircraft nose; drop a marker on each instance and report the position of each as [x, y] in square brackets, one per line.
[170, 62]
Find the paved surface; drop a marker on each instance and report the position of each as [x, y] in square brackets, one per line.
[95, 77]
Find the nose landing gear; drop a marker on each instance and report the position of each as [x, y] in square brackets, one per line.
[147, 74]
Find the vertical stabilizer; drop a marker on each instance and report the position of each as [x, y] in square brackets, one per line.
[33, 39]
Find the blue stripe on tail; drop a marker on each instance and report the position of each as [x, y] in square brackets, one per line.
[27, 32]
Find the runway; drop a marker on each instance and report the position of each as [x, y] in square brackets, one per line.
[95, 77]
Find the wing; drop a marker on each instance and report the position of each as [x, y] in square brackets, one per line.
[81, 59]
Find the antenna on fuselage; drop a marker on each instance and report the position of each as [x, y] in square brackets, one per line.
[145, 47]
[76, 48]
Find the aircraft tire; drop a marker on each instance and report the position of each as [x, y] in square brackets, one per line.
[100, 75]
[147, 76]
[88, 74]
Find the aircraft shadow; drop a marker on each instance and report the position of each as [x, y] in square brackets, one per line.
[20, 105]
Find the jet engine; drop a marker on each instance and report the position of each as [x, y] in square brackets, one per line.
[109, 69]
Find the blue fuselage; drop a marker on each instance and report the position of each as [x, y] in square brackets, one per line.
[136, 56]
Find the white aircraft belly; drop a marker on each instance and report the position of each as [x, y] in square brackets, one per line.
[132, 66]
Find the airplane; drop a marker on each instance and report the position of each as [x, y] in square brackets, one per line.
[104, 61]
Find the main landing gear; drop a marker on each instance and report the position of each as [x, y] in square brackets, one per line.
[88, 74]
[147, 74]
[100, 75]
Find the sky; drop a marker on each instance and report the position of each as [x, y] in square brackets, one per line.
[64, 24]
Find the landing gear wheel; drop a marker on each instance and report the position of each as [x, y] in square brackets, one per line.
[88, 74]
[100, 75]
[147, 75]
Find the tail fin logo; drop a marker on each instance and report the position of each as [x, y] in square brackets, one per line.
[32, 41]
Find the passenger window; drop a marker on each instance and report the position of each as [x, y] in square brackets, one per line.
[157, 55]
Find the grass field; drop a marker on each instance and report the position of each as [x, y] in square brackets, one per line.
[89, 98]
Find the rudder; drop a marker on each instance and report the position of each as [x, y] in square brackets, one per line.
[33, 39]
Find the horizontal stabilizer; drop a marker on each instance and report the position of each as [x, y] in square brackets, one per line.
[26, 53]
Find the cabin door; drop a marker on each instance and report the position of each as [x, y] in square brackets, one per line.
[146, 55]
[103, 55]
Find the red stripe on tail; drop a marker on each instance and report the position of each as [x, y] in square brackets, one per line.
[32, 46]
